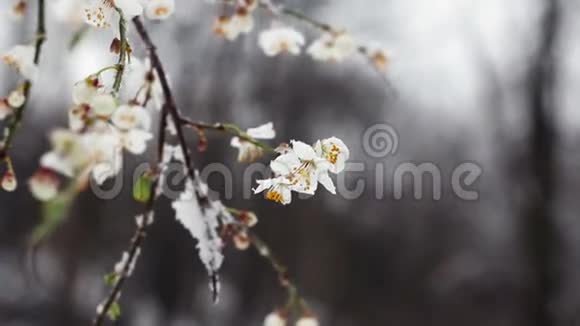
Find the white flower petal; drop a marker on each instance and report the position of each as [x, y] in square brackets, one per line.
[327, 182]
[21, 58]
[135, 141]
[103, 171]
[57, 163]
[265, 131]
[281, 39]
[103, 105]
[336, 152]
[84, 91]
[304, 151]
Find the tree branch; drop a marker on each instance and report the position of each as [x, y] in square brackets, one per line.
[19, 114]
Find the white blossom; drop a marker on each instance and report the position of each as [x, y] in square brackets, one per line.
[102, 13]
[16, 98]
[249, 152]
[275, 319]
[103, 105]
[279, 40]
[135, 140]
[128, 117]
[159, 9]
[85, 90]
[332, 47]
[378, 56]
[307, 321]
[95, 153]
[230, 27]
[301, 168]
[141, 83]
[277, 189]
[21, 57]
[334, 151]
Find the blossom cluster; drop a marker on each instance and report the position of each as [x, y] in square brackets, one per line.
[301, 167]
[331, 46]
[102, 13]
[102, 125]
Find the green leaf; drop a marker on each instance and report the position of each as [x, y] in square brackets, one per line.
[142, 188]
[54, 213]
[114, 311]
[111, 279]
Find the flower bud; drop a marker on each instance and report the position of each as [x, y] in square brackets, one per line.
[19, 9]
[44, 184]
[9, 182]
[307, 321]
[248, 218]
[115, 46]
[16, 98]
[242, 241]
[275, 318]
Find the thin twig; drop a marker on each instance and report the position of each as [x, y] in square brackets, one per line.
[170, 103]
[173, 112]
[123, 50]
[228, 129]
[19, 114]
[294, 298]
[141, 231]
[169, 108]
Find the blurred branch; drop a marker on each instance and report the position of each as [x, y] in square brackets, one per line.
[540, 220]
[19, 114]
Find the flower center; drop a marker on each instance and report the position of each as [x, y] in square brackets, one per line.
[161, 11]
[274, 196]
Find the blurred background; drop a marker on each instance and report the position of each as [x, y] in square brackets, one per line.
[490, 82]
